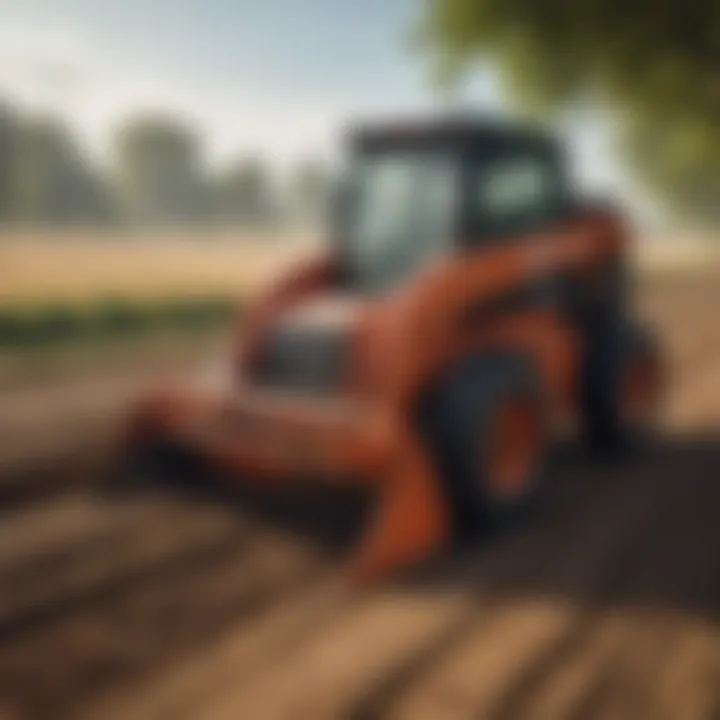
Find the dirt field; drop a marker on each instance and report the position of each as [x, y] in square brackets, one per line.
[604, 604]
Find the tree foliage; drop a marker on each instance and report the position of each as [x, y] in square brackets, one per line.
[656, 64]
[52, 182]
[159, 171]
[158, 176]
[309, 190]
[244, 193]
[8, 159]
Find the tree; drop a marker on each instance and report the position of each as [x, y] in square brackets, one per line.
[309, 190]
[52, 182]
[159, 171]
[8, 161]
[656, 64]
[243, 193]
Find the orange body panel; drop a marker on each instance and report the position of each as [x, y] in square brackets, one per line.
[401, 344]
[424, 327]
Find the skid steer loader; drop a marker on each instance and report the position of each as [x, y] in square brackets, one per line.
[468, 310]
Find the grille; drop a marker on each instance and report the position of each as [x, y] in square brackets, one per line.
[304, 359]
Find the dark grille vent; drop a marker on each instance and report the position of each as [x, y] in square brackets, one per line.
[306, 359]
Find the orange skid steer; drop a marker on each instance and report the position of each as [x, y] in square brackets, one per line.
[469, 309]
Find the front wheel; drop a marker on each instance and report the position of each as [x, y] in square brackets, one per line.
[489, 433]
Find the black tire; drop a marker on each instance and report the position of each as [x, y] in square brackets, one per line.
[612, 347]
[458, 419]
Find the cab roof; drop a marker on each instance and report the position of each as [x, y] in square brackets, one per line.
[466, 131]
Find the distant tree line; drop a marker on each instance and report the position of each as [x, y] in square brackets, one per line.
[157, 175]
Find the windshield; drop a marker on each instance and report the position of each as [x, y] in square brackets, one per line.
[401, 215]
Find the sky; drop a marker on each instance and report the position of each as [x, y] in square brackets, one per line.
[277, 78]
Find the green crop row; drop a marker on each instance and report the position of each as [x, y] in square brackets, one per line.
[55, 324]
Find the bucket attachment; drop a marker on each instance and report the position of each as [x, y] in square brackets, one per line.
[410, 519]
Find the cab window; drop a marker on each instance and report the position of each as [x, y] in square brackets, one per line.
[514, 195]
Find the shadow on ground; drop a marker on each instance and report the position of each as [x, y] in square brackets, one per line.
[635, 530]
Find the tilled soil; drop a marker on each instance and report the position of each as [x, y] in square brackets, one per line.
[604, 603]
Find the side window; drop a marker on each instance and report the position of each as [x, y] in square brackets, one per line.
[514, 194]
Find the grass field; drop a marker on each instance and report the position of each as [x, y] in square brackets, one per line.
[81, 267]
[84, 289]
[88, 286]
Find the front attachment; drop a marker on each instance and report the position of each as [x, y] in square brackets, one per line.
[411, 521]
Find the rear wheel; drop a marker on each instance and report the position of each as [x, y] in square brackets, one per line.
[488, 431]
[623, 387]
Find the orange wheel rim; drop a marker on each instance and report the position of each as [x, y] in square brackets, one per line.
[513, 448]
[640, 391]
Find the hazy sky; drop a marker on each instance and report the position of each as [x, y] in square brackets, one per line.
[274, 76]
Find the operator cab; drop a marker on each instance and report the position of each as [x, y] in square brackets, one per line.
[418, 191]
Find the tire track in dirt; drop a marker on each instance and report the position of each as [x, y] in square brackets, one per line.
[131, 545]
[177, 609]
[688, 686]
[248, 646]
[561, 510]
[630, 681]
[667, 570]
[679, 583]
[543, 614]
[322, 680]
[38, 529]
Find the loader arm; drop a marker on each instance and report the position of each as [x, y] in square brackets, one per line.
[423, 329]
